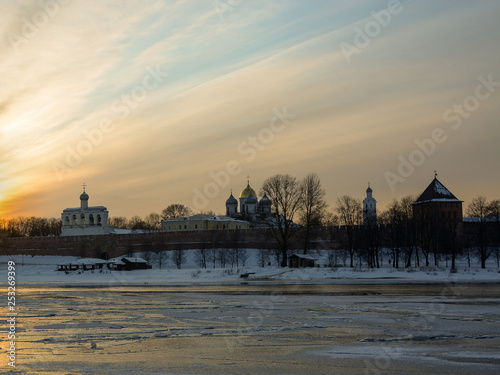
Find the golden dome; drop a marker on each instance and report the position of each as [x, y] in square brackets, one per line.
[246, 192]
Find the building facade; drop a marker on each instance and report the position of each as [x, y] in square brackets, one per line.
[85, 220]
[202, 222]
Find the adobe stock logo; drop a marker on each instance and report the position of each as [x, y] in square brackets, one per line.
[224, 6]
[94, 137]
[31, 26]
[427, 146]
[371, 29]
[249, 148]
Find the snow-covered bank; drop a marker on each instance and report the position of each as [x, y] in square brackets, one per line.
[42, 270]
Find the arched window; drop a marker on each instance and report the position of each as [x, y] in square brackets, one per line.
[91, 219]
[83, 220]
[99, 220]
[66, 220]
[75, 222]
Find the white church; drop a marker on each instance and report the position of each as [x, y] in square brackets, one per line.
[369, 208]
[85, 220]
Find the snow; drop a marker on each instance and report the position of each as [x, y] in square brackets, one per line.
[440, 189]
[87, 261]
[306, 257]
[295, 321]
[442, 200]
[131, 260]
[42, 270]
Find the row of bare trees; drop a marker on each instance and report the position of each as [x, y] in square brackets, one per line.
[289, 197]
[408, 241]
[482, 232]
[153, 220]
[39, 226]
[30, 226]
[394, 229]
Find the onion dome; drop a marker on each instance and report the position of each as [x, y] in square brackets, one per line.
[251, 199]
[247, 191]
[231, 200]
[265, 201]
[84, 196]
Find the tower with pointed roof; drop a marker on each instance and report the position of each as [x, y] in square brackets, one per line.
[438, 219]
[440, 199]
[369, 208]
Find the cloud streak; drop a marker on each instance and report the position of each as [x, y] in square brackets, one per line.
[222, 81]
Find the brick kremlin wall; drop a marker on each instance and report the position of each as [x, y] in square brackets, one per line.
[121, 244]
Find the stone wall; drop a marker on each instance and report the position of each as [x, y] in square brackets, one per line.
[117, 245]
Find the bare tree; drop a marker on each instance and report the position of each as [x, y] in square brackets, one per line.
[286, 194]
[312, 207]
[136, 222]
[32, 226]
[208, 212]
[147, 250]
[493, 209]
[409, 235]
[330, 219]
[493, 212]
[160, 249]
[350, 213]
[478, 209]
[395, 221]
[175, 210]
[152, 221]
[179, 258]
[201, 257]
[119, 222]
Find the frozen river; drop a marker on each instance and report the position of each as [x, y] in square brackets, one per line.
[257, 328]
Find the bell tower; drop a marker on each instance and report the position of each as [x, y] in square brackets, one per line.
[369, 208]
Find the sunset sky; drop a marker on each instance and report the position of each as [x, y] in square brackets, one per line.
[149, 102]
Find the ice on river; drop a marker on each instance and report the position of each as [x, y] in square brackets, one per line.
[261, 328]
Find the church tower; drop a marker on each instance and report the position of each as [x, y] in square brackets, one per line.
[247, 192]
[85, 220]
[369, 208]
[231, 206]
[84, 199]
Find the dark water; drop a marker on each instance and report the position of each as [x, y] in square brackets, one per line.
[264, 328]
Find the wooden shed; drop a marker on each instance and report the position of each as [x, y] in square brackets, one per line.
[129, 264]
[301, 261]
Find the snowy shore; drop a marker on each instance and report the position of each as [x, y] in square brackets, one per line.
[42, 270]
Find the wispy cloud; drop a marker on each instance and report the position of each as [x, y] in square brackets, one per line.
[222, 79]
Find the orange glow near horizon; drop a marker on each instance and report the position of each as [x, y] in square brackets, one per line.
[147, 105]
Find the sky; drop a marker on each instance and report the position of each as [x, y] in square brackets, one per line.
[155, 102]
